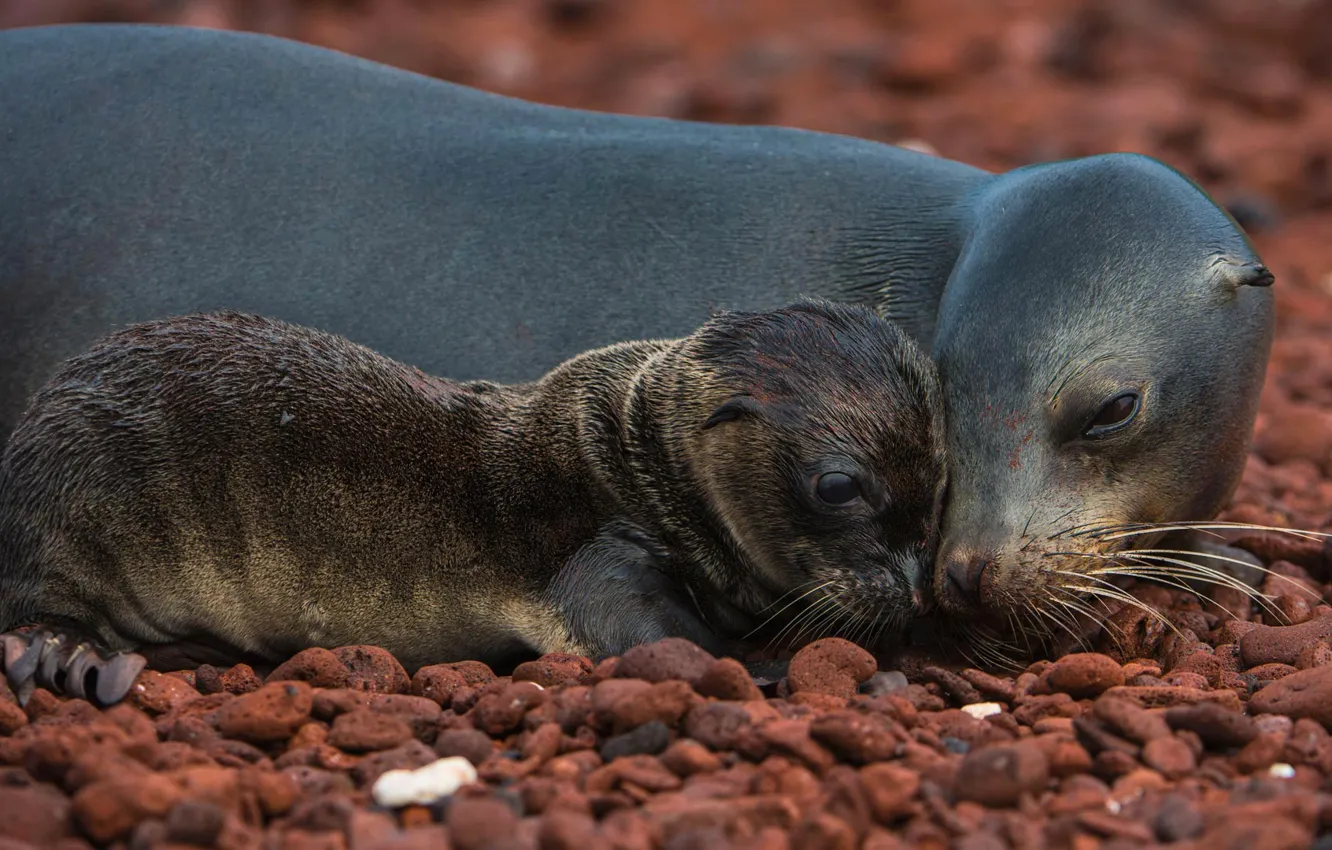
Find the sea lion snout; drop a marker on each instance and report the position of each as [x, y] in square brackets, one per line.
[963, 569]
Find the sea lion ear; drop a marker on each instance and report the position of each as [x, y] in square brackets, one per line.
[732, 409]
[1237, 274]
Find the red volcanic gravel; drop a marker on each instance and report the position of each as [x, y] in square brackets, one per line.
[1089, 751]
[1208, 728]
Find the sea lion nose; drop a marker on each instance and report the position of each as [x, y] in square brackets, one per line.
[964, 571]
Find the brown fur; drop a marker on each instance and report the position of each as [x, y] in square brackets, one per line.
[225, 487]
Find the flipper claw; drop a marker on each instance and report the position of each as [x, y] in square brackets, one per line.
[61, 663]
[116, 676]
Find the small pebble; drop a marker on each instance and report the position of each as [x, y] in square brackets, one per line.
[980, 710]
[423, 785]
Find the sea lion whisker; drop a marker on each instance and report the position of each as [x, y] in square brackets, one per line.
[799, 587]
[805, 620]
[1224, 558]
[1138, 567]
[1129, 600]
[1145, 528]
[1172, 579]
[1072, 601]
[1175, 567]
[860, 626]
[1069, 624]
[778, 613]
[1092, 528]
[835, 620]
[1110, 591]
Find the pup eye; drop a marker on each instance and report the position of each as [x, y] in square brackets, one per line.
[837, 488]
[1113, 415]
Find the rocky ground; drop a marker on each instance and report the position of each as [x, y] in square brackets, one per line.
[1213, 734]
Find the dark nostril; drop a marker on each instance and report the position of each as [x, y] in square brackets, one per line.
[965, 573]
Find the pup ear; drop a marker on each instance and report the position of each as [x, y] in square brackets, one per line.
[732, 409]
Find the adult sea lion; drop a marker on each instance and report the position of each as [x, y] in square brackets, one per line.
[1101, 325]
[223, 488]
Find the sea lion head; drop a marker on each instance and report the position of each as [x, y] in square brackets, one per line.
[814, 435]
[1102, 343]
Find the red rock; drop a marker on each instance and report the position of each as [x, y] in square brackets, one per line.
[274, 790]
[565, 830]
[686, 757]
[1033, 709]
[555, 669]
[729, 680]
[1259, 753]
[646, 772]
[891, 790]
[999, 776]
[370, 668]
[1307, 693]
[1214, 724]
[421, 714]
[438, 683]
[830, 666]
[312, 734]
[819, 701]
[1270, 672]
[364, 731]
[408, 756]
[1314, 655]
[241, 679]
[1299, 432]
[329, 703]
[1131, 719]
[626, 704]
[1082, 675]
[676, 815]
[480, 823]
[823, 830]
[157, 693]
[12, 718]
[497, 714]
[792, 737]
[671, 658]
[1170, 756]
[272, 713]
[316, 665]
[472, 744]
[1002, 689]
[109, 809]
[196, 823]
[1161, 696]
[1282, 644]
[858, 738]
[300, 839]
[1066, 756]
[37, 814]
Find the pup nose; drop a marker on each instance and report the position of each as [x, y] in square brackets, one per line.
[964, 573]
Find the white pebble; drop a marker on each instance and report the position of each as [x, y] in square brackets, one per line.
[918, 145]
[981, 710]
[1281, 771]
[424, 785]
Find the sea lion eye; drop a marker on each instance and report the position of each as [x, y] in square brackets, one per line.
[1113, 415]
[837, 488]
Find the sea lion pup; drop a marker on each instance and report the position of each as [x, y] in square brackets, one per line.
[224, 487]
